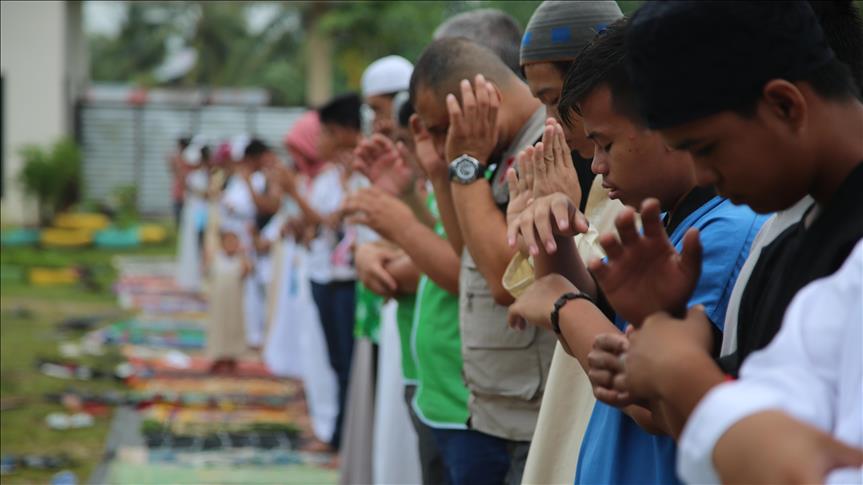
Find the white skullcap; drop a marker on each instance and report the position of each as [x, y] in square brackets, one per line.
[192, 154]
[386, 75]
[238, 147]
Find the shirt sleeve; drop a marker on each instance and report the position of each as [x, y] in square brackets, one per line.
[798, 373]
[725, 242]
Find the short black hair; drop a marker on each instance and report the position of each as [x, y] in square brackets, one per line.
[842, 24]
[342, 110]
[256, 148]
[600, 63]
[445, 62]
[488, 27]
[404, 115]
[692, 59]
[183, 142]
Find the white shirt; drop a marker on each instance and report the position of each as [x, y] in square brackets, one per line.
[813, 371]
[329, 255]
[770, 230]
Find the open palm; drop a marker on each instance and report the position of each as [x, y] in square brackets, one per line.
[645, 273]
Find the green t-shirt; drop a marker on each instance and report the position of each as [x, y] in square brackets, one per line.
[368, 314]
[441, 396]
[405, 321]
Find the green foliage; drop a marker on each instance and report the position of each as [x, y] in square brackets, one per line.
[52, 175]
[124, 199]
[231, 54]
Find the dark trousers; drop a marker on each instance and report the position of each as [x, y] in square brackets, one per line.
[178, 212]
[431, 461]
[472, 457]
[336, 304]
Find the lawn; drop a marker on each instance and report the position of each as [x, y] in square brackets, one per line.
[28, 318]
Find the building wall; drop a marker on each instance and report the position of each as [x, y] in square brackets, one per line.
[36, 100]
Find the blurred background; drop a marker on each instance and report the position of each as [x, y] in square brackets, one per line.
[94, 96]
[122, 80]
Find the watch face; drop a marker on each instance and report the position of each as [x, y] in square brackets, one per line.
[465, 170]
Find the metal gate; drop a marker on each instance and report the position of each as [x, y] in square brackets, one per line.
[129, 145]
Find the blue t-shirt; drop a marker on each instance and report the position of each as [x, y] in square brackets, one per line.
[615, 449]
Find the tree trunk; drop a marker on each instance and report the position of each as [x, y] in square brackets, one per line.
[319, 82]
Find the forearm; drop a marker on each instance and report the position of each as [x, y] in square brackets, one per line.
[418, 207]
[406, 274]
[266, 203]
[580, 323]
[431, 254]
[483, 228]
[682, 388]
[443, 197]
[566, 262]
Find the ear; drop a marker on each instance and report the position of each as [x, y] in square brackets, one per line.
[785, 101]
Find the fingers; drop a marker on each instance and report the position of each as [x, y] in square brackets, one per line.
[468, 102]
[455, 114]
[612, 247]
[650, 220]
[482, 100]
[840, 455]
[384, 276]
[514, 190]
[528, 233]
[522, 175]
[625, 223]
[566, 160]
[613, 343]
[560, 211]
[528, 169]
[542, 222]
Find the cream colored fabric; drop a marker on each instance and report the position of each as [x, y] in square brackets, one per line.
[568, 400]
[226, 336]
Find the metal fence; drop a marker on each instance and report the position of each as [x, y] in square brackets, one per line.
[128, 145]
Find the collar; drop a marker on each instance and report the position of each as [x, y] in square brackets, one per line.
[529, 133]
[696, 198]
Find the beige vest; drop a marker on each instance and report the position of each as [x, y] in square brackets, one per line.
[504, 369]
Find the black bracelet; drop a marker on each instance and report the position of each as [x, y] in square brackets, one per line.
[555, 312]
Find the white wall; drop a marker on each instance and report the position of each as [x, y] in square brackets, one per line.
[35, 102]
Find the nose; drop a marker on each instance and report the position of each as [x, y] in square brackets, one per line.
[599, 165]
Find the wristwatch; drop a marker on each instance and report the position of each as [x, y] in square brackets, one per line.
[560, 302]
[465, 169]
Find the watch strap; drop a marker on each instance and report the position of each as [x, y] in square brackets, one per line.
[561, 302]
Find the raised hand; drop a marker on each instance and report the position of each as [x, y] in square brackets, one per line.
[553, 167]
[473, 125]
[544, 219]
[385, 165]
[427, 157]
[520, 193]
[644, 274]
[374, 208]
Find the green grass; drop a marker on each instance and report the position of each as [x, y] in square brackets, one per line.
[23, 338]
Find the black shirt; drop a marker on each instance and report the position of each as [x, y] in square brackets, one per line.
[797, 257]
